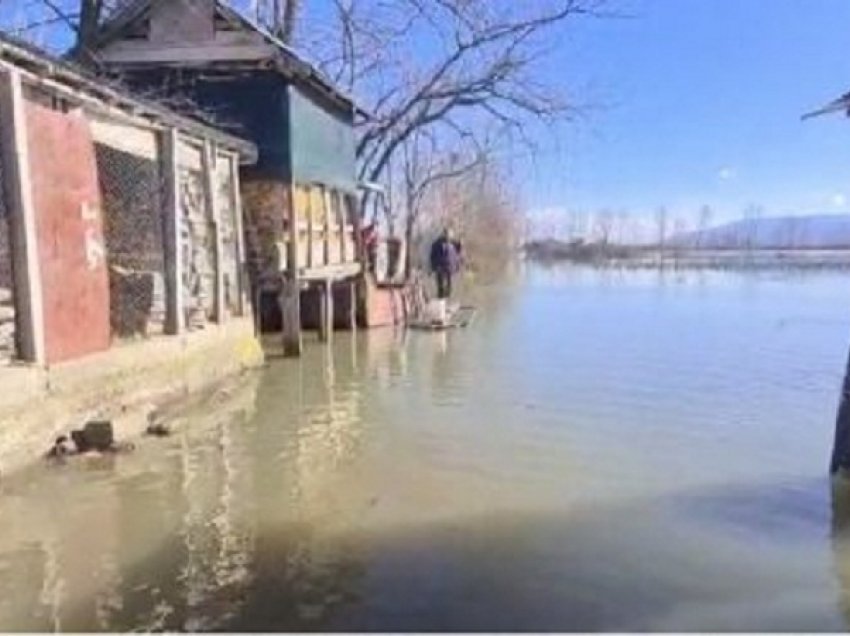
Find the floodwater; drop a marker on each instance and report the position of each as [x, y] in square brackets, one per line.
[599, 451]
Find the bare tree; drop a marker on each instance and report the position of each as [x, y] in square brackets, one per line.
[577, 224]
[705, 216]
[424, 166]
[475, 81]
[752, 220]
[794, 228]
[622, 223]
[280, 17]
[480, 73]
[680, 231]
[603, 225]
[78, 18]
[81, 19]
[661, 221]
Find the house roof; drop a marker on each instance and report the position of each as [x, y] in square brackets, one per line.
[62, 73]
[289, 62]
[842, 104]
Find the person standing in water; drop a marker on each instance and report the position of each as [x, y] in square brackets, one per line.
[445, 262]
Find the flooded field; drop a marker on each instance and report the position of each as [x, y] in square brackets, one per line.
[600, 451]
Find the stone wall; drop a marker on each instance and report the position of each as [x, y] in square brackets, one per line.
[266, 206]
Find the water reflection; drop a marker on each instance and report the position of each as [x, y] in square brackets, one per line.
[581, 459]
[841, 543]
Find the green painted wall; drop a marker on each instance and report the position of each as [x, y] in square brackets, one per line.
[322, 143]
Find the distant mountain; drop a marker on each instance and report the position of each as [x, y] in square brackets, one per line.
[809, 232]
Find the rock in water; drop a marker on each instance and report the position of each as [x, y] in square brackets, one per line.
[95, 435]
[158, 429]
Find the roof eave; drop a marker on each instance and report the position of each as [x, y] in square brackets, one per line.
[44, 65]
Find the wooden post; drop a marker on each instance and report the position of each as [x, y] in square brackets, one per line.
[291, 309]
[343, 226]
[352, 305]
[17, 186]
[311, 260]
[242, 272]
[326, 310]
[214, 214]
[175, 317]
[291, 292]
[840, 462]
[326, 204]
[351, 214]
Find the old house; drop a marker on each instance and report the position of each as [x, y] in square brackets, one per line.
[121, 252]
[301, 226]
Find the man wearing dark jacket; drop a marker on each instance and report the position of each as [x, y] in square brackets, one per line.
[445, 261]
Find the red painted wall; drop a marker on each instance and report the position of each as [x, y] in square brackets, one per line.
[75, 282]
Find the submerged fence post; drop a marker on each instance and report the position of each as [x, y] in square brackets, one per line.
[175, 320]
[17, 187]
[841, 446]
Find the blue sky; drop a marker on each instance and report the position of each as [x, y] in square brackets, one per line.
[693, 102]
[698, 102]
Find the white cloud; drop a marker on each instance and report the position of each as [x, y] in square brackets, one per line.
[726, 174]
[839, 200]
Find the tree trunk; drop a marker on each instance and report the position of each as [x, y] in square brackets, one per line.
[91, 12]
[841, 446]
[408, 252]
[286, 19]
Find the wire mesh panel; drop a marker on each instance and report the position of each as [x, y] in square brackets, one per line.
[7, 303]
[197, 249]
[133, 227]
[229, 237]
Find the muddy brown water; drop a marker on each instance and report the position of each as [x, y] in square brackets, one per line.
[600, 451]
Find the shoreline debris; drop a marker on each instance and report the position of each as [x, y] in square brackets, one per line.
[95, 438]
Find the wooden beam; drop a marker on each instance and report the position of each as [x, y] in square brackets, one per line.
[336, 272]
[350, 206]
[292, 263]
[102, 96]
[175, 316]
[144, 53]
[326, 310]
[242, 265]
[311, 257]
[343, 226]
[291, 309]
[138, 141]
[214, 214]
[352, 305]
[29, 300]
[326, 238]
[291, 290]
